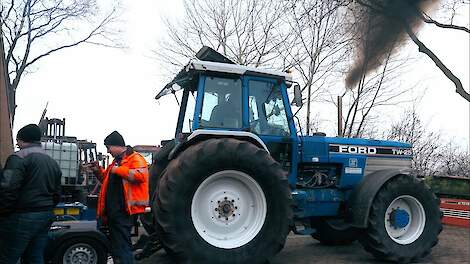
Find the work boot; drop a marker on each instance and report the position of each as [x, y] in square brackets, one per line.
[149, 249]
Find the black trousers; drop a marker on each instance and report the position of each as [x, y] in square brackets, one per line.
[120, 226]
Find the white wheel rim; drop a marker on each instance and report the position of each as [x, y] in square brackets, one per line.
[409, 231]
[228, 209]
[80, 253]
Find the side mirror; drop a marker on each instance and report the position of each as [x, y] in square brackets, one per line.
[297, 96]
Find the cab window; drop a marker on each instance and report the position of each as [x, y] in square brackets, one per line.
[222, 102]
[267, 115]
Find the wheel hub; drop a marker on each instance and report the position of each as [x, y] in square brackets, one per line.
[79, 255]
[399, 218]
[226, 208]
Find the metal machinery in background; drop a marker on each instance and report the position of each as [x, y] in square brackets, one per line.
[74, 237]
[147, 151]
[71, 154]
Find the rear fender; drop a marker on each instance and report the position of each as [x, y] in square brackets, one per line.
[203, 134]
[362, 197]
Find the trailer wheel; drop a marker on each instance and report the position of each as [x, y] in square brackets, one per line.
[334, 232]
[404, 222]
[223, 201]
[81, 250]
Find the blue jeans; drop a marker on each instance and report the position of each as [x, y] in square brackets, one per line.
[120, 226]
[24, 235]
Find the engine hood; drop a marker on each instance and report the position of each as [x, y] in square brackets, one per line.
[320, 148]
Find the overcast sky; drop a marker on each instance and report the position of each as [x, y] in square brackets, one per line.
[98, 90]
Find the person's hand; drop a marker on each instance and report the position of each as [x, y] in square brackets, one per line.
[92, 166]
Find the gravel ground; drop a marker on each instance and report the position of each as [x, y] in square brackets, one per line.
[453, 248]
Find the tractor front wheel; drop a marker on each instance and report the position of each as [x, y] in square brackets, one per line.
[223, 201]
[404, 221]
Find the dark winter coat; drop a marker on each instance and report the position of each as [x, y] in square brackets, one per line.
[30, 182]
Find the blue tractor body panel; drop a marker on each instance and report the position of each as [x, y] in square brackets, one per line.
[350, 155]
[319, 202]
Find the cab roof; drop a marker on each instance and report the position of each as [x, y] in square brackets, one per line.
[210, 61]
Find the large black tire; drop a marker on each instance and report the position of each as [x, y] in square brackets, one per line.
[159, 163]
[410, 245]
[334, 232]
[86, 249]
[183, 177]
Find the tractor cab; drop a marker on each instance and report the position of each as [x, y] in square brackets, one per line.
[220, 97]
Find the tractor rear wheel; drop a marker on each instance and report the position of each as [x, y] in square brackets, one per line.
[223, 201]
[334, 232]
[404, 221]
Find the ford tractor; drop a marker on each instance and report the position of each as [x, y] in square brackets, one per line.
[238, 176]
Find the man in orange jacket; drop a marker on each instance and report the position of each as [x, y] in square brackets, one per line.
[123, 194]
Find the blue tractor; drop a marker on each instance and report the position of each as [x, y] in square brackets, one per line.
[238, 177]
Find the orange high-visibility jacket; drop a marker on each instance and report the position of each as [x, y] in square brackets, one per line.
[134, 173]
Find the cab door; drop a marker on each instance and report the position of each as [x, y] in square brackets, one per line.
[268, 115]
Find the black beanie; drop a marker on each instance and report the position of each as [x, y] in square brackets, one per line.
[29, 133]
[114, 139]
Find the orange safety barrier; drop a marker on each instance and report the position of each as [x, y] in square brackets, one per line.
[456, 212]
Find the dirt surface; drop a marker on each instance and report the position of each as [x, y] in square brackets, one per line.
[453, 248]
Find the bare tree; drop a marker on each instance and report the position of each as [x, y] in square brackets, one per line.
[394, 20]
[245, 31]
[35, 29]
[426, 144]
[316, 44]
[453, 161]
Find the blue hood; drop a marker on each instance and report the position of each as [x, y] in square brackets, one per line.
[320, 147]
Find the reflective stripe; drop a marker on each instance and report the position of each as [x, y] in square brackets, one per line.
[137, 202]
[129, 189]
[141, 170]
[132, 172]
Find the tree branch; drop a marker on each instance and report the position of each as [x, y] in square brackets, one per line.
[448, 73]
[427, 19]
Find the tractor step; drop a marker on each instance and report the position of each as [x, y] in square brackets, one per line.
[301, 229]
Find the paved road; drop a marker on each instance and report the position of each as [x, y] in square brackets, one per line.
[453, 248]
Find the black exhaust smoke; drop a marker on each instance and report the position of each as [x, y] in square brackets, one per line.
[380, 30]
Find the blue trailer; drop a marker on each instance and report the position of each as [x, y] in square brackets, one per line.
[75, 237]
[238, 176]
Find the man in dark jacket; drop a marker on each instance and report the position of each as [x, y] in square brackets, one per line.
[29, 190]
